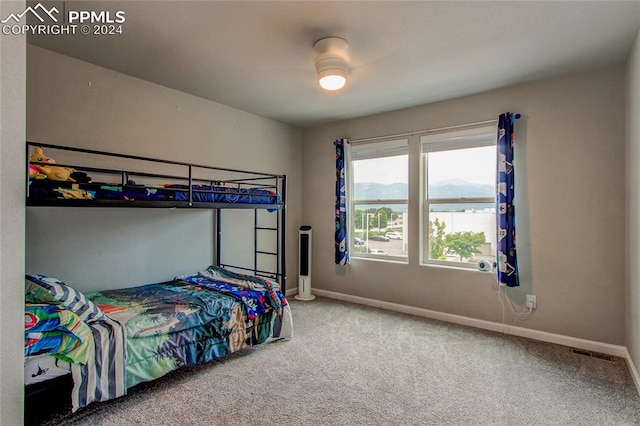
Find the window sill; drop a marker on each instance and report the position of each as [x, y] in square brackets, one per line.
[382, 259]
[457, 268]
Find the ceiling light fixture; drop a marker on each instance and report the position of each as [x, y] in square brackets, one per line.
[332, 62]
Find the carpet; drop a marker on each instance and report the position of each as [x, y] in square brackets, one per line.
[355, 365]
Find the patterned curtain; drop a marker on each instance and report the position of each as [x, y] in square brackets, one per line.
[507, 261]
[342, 248]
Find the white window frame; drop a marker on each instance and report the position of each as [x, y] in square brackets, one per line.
[438, 141]
[365, 150]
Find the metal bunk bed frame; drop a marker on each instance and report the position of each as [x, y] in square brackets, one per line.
[275, 182]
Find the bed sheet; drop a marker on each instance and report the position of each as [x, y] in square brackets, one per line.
[41, 368]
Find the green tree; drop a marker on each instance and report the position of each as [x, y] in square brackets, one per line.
[465, 244]
[436, 239]
[385, 214]
[357, 219]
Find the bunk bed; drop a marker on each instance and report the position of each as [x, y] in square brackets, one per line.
[100, 344]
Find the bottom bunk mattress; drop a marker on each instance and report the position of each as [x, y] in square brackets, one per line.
[180, 323]
[141, 333]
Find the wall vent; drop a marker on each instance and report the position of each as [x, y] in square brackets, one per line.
[598, 355]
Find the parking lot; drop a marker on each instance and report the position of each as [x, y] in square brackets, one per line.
[391, 247]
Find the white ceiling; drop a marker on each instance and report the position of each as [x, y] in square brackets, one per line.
[258, 56]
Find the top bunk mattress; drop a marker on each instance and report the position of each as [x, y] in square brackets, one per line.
[80, 177]
[131, 192]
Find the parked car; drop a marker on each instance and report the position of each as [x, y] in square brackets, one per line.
[394, 235]
[378, 238]
[378, 251]
[358, 241]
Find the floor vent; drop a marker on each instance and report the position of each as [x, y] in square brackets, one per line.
[604, 357]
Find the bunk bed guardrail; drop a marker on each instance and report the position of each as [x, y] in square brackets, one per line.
[189, 187]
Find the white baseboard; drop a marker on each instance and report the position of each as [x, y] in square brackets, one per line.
[291, 292]
[590, 345]
[632, 369]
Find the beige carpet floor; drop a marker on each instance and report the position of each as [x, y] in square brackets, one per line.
[354, 365]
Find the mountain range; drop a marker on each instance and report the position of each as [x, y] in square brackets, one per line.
[453, 188]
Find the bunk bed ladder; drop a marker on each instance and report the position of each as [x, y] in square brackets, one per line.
[256, 252]
[280, 274]
[279, 229]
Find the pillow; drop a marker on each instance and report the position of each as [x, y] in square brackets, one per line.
[50, 329]
[39, 317]
[42, 289]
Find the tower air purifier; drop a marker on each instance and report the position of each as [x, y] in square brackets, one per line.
[304, 264]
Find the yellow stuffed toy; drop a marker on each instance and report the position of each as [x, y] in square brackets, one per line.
[41, 164]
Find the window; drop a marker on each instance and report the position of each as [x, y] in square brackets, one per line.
[379, 194]
[458, 206]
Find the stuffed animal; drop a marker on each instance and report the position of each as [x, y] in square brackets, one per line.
[43, 165]
[34, 173]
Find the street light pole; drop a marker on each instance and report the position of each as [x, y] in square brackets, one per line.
[367, 240]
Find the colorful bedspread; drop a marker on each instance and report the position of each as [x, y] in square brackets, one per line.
[258, 295]
[174, 324]
[150, 330]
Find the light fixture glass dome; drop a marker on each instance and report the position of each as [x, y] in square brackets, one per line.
[332, 80]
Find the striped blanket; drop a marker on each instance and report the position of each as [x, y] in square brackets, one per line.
[103, 376]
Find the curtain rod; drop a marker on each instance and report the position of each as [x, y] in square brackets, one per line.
[429, 131]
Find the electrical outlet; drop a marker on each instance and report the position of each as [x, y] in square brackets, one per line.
[531, 301]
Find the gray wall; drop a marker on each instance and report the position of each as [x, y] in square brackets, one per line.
[570, 173]
[12, 120]
[96, 249]
[74, 103]
[633, 205]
